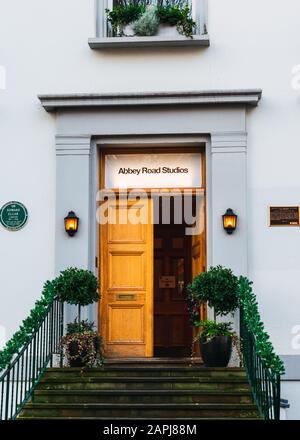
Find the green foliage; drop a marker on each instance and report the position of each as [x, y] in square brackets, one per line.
[221, 289]
[147, 24]
[217, 287]
[77, 286]
[29, 325]
[82, 327]
[176, 13]
[120, 16]
[210, 329]
[177, 16]
[193, 307]
[252, 319]
[74, 286]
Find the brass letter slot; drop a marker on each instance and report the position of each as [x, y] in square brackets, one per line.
[126, 297]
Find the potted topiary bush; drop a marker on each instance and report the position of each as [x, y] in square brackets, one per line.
[218, 287]
[79, 287]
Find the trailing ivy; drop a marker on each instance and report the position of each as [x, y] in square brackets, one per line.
[29, 325]
[253, 321]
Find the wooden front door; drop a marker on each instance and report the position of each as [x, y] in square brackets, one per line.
[172, 272]
[126, 307]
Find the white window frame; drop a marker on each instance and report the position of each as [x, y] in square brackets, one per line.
[200, 8]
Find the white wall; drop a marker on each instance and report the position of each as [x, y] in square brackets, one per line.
[43, 47]
[291, 390]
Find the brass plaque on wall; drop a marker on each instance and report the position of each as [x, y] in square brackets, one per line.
[167, 282]
[284, 216]
[126, 297]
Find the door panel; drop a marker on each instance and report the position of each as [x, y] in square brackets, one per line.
[126, 323]
[126, 269]
[126, 307]
[198, 263]
[198, 266]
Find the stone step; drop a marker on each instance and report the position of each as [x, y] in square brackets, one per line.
[153, 361]
[199, 410]
[150, 370]
[141, 396]
[117, 419]
[160, 383]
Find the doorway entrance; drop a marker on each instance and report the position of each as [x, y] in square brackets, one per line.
[172, 273]
[146, 261]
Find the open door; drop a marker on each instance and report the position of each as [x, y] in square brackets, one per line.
[198, 252]
[126, 307]
[198, 264]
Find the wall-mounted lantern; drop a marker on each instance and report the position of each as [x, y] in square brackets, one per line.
[71, 223]
[229, 221]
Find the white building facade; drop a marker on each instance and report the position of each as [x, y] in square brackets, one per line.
[69, 91]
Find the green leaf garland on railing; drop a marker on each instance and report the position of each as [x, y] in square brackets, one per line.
[29, 325]
[253, 321]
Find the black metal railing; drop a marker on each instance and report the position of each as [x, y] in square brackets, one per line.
[19, 380]
[265, 383]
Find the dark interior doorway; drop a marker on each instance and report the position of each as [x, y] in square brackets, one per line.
[172, 272]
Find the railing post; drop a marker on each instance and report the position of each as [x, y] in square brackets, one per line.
[7, 396]
[51, 335]
[276, 397]
[61, 331]
[33, 364]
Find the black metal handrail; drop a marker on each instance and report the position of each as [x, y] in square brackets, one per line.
[265, 383]
[19, 380]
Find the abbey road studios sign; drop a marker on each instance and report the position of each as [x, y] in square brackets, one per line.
[13, 216]
[164, 170]
[284, 216]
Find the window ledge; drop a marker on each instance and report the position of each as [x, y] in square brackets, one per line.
[155, 41]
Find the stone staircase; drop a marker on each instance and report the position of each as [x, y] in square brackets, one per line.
[142, 389]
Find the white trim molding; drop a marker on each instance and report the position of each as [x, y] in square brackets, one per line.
[235, 142]
[73, 145]
[155, 41]
[249, 97]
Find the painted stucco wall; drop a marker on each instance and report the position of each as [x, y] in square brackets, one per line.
[43, 49]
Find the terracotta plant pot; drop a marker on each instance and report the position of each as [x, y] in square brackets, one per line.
[217, 351]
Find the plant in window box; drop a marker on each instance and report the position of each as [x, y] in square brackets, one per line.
[82, 343]
[218, 287]
[149, 17]
[147, 24]
[175, 19]
[123, 15]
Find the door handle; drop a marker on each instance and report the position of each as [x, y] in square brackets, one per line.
[181, 286]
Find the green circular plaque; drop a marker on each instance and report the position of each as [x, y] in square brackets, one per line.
[13, 216]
